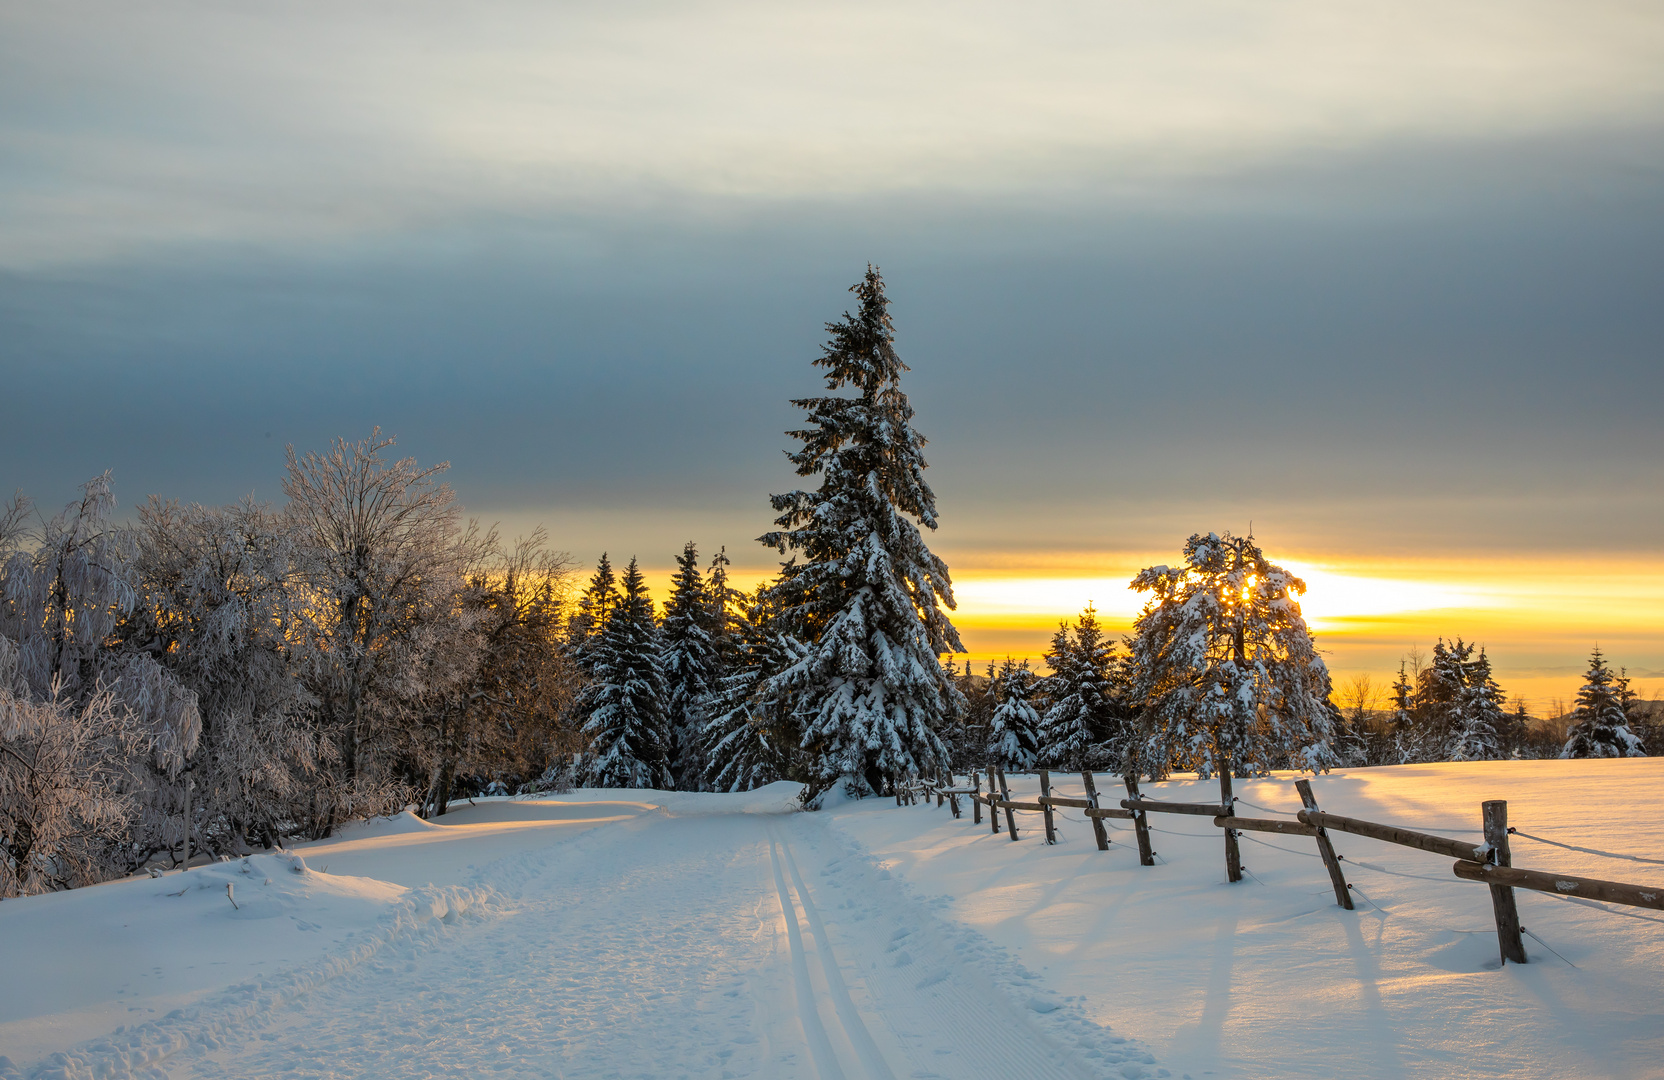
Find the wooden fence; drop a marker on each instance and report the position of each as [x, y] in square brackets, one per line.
[1489, 862]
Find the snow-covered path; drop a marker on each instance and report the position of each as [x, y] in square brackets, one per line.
[667, 945]
[665, 934]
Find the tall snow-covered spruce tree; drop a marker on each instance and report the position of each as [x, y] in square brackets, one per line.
[1460, 705]
[623, 706]
[1014, 728]
[1225, 668]
[868, 600]
[1084, 726]
[1600, 725]
[690, 666]
[751, 737]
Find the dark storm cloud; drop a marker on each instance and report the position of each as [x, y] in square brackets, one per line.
[1486, 353]
[1387, 280]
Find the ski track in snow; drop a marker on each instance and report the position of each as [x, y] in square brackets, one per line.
[728, 945]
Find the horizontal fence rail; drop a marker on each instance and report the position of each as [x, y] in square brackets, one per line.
[1248, 824]
[1488, 862]
[1195, 809]
[1611, 892]
[1392, 834]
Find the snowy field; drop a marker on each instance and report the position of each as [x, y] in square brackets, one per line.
[649, 934]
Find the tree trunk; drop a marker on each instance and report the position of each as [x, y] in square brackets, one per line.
[875, 780]
[447, 778]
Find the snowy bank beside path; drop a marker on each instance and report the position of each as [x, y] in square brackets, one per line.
[145, 966]
[1268, 977]
[164, 964]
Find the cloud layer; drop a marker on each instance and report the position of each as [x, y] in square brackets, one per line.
[129, 126]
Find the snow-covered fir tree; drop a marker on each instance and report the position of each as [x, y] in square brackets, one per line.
[954, 730]
[1014, 728]
[869, 599]
[1225, 668]
[1460, 705]
[1600, 723]
[1513, 729]
[690, 666]
[595, 607]
[623, 707]
[1084, 726]
[1401, 727]
[752, 737]
[967, 735]
[1479, 721]
[725, 608]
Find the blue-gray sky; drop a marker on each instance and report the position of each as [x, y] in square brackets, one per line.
[1384, 281]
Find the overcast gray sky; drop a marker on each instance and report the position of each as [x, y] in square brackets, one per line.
[1381, 279]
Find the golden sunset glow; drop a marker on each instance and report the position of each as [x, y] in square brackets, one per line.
[1536, 618]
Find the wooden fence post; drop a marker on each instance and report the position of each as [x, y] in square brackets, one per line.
[1010, 814]
[1141, 824]
[1046, 792]
[1502, 896]
[1233, 853]
[1098, 831]
[1343, 895]
[976, 798]
[994, 811]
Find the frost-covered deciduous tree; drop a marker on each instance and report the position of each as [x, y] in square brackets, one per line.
[67, 783]
[1600, 723]
[623, 706]
[868, 599]
[383, 557]
[1084, 726]
[1224, 668]
[67, 592]
[1014, 728]
[690, 666]
[220, 612]
[62, 602]
[506, 721]
[1355, 740]
[752, 736]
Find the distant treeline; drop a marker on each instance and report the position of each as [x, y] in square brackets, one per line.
[1447, 709]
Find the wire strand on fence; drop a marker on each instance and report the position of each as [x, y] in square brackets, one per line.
[1394, 873]
[1368, 899]
[1264, 809]
[1603, 907]
[1588, 850]
[1170, 832]
[1546, 945]
[1278, 847]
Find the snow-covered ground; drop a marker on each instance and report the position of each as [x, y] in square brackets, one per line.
[651, 934]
